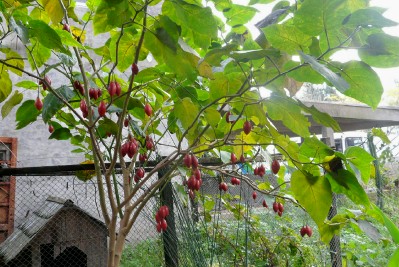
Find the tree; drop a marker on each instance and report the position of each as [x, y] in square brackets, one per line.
[206, 87]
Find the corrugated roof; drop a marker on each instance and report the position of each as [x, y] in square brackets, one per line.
[33, 224]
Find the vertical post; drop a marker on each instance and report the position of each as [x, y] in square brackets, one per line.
[169, 237]
[378, 178]
[335, 243]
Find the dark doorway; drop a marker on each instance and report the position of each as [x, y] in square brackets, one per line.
[71, 257]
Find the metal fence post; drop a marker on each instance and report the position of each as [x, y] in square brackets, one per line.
[169, 237]
[378, 178]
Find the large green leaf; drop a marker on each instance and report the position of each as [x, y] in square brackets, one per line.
[284, 109]
[331, 76]
[239, 14]
[287, 38]
[315, 149]
[369, 17]
[111, 14]
[303, 74]
[197, 23]
[313, 193]
[361, 160]
[20, 30]
[52, 104]
[47, 36]
[61, 134]
[345, 182]
[364, 83]
[126, 48]
[392, 228]
[54, 10]
[39, 54]
[223, 85]
[248, 55]
[321, 117]
[5, 85]
[186, 111]
[381, 51]
[215, 56]
[11, 103]
[14, 59]
[394, 260]
[378, 132]
[67, 39]
[26, 114]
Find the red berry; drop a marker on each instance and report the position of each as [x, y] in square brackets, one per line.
[164, 225]
[197, 174]
[135, 69]
[275, 166]
[233, 158]
[126, 122]
[261, 170]
[159, 228]
[280, 207]
[279, 213]
[223, 186]
[148, 109]
[118, 89]
[163, 211]
[233, 180]
[187, 160]
[264, 204]
[102, 108]
[112, 88]
[256, 171]
[254, 195]
[309, 231]
[50, 128]
[142, 158]
[242, 158]
[191, 183]
[194, 162]
[158, 217]
[124, 149]
[247, 127]
[149, 144]
[66, 27]
[303, 231]
[275, 206]
[228, 116]
[47, 81]
[38, 103]
[140, 172]
[78, 86]
[132, 149]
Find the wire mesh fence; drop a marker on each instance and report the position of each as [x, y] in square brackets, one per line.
[58, 222]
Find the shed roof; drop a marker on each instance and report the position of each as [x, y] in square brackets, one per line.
[34, 223]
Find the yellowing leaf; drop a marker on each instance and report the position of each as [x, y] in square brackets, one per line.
[54, 10]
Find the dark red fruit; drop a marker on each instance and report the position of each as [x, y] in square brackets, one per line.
[247, 127]
[112, 88]
[148, 109]
[256, 171]
[93, 93]
[309, 231]
[280, 207]
[126, 122]
[149, 144]
[132, 149]
[38, 103]
[242, 158]
[140, 172]
[164, 225]
[135, 69]
[264, 204]
[187, 160]
[197, 174]
[159, 228]
[66, 27]
[279, 213]
[233, 158]
[223, 186]
[47, 81]
[191, 182]
[158, 217]
[78, 86]
[194, 162]
[118, 89]
[142, 158]
[51, 128]
[275, 206]
[102, 108]
[228, 116]
[163, 211]
[303, 231]
[124, 149]
[275, 166]
[261, 170]
[235, 181]
[254, 195]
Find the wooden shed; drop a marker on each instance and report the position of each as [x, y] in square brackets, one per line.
[58, 233]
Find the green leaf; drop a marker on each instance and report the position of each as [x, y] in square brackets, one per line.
[253, 2]
[361, 160]
[215, 56]
[20, 30]
[54, 10]
[313, 148]
[111, 14]
[391, 226]
[61, 134]
[27, 84]
[309, 190]
[303, 74]
[197, 23]
[47, 36]
[108, 126]
[67, 39]
[394, 260]
[14, 59]
[39, 53]
[285, 109]
[212, 116]
[364, 83]
[51, 104]
[369, 17]
[186, 111]
[5, 85]
[381, 51]
[26, 114]
[332, 77]
[225, 84]
[239, 14]
[321, 117]
[248, 55]
[126, 48]
[11, 103]
[345, 182]
[209, 204]
[287, 38]
[378, 132]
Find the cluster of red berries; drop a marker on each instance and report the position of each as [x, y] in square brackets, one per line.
[114, 88]
[195, 181]
[223, 186]
[160, 218]
[143, 158]
[233, 158]
[129, 148]
[235, 181]
[94, 93]
[140, 172]
[306, 230]
[260, 170]
[79, 87]
[278, 208]
[149, 143]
